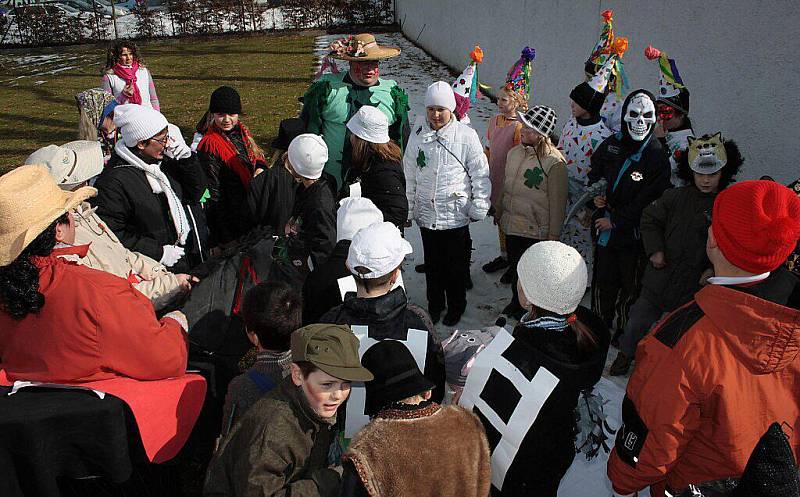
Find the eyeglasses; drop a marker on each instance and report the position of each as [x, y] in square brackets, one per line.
[163, 141]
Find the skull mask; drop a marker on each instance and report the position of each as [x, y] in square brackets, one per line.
[640, 116]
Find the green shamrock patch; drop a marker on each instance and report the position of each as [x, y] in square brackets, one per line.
[421, 161]
[534, 177]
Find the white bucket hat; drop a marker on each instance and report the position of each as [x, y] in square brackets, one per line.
[355, 213]
[137, 123]
[70, 164]
[553, 276]
[370, 124]
[380, 248]
[308, 154]
[440, 94]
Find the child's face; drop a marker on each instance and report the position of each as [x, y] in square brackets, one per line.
[529, 136]
[438, 116]
[707, 183]
[578, 112]
[226, 122]
[325, 393]
[506, 104]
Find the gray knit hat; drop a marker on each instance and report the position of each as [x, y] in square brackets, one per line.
[553, 276]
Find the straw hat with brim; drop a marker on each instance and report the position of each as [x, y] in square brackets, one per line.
[361, 47]
[333, 348]
[30, 201]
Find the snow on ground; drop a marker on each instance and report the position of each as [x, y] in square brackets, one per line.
[414, 70]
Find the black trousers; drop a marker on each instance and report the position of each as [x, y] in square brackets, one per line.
[446, 255]
[515, 247]
[616, 282]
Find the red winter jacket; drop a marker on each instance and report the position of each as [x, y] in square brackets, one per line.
[709, 381]
[93, 326]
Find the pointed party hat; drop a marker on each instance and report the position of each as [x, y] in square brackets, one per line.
[466, 86]
[604, 45]
[670, 81]
[519, 76]
[611, 70]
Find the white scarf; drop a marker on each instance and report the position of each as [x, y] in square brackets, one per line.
[159, 184]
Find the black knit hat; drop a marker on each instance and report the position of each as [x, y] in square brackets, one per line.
[585, 96]
[771, 470]
[288, 130]
[397, 376]
[225, 100]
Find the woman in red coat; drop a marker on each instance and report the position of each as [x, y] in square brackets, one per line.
[65, 323]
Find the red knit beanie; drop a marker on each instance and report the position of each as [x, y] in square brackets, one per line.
[756, 224]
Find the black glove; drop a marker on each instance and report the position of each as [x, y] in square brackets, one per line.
[328, 481]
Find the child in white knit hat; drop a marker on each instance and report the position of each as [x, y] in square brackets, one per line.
[150, 191]
[447, 185]
[311, 230]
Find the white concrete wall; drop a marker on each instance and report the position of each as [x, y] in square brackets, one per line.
[738, 58]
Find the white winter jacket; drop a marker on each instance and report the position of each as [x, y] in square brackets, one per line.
[446, 189]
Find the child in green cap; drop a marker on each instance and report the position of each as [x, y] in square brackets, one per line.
[280, 446]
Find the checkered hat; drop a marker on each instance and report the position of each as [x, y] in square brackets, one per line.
[541, 118]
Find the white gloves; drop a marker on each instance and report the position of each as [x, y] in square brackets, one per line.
[180, 318]
[171, 255]
[177, 147]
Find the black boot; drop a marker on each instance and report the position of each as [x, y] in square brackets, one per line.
[452, 317]
[420, 268]
[508, 276]
[496, 265]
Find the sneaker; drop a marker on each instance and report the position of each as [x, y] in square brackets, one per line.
[451, 318]
[496, 265]
[420, 268]
[508, 276]
[621, 365]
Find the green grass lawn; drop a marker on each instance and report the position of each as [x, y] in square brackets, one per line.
[37, 87]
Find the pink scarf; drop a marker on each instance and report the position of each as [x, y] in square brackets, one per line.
[128, 74]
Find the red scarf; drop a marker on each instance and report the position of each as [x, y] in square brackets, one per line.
[217, 143]
[128, 74]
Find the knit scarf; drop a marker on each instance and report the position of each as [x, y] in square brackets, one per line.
[545, 323]
[159, 184]
[218, 143]
[128, 74]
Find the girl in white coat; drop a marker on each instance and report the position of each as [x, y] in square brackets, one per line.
[126, 77]
[447, 185]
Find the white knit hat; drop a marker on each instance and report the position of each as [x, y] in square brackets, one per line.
[354, 214]
[308, 154]
[553, 276]
[72, 163]
[440, 94]
[137, 123]
[370, 124]
[380, 247]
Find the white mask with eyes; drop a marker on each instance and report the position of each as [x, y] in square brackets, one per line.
[640, 116]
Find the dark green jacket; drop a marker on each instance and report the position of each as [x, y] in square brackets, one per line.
[676, 224]
[273, 449]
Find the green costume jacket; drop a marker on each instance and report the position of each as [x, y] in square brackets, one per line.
[331, 101]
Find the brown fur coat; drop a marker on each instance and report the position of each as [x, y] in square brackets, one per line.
[405, 453]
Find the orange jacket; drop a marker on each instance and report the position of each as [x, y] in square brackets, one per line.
[93, 326]
[709, 380]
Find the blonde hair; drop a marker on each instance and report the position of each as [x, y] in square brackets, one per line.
[518, 99]
[211, 123]
[364, 151]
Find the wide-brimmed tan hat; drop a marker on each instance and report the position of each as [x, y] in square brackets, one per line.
[361, 47]
[30, 201]
[72, 163]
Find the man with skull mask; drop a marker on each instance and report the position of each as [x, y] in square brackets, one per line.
[637, 171]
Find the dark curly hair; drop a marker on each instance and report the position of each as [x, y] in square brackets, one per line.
[113, 52]
[729, 172]
[19, 281]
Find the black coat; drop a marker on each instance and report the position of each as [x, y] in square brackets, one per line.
[549, 445]
[390, 317]
[226, 208]
[141, 219]
[270, 198]
[314, 218]
[385, 184]
[643, 182]
[321, 288]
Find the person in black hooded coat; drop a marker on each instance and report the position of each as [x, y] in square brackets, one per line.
[637, 172]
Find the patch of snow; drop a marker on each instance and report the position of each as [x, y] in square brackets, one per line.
[37, 83]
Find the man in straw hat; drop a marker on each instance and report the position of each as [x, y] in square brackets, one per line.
[280, 446]
[65, 323]
[332, 100]
[715, 374]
